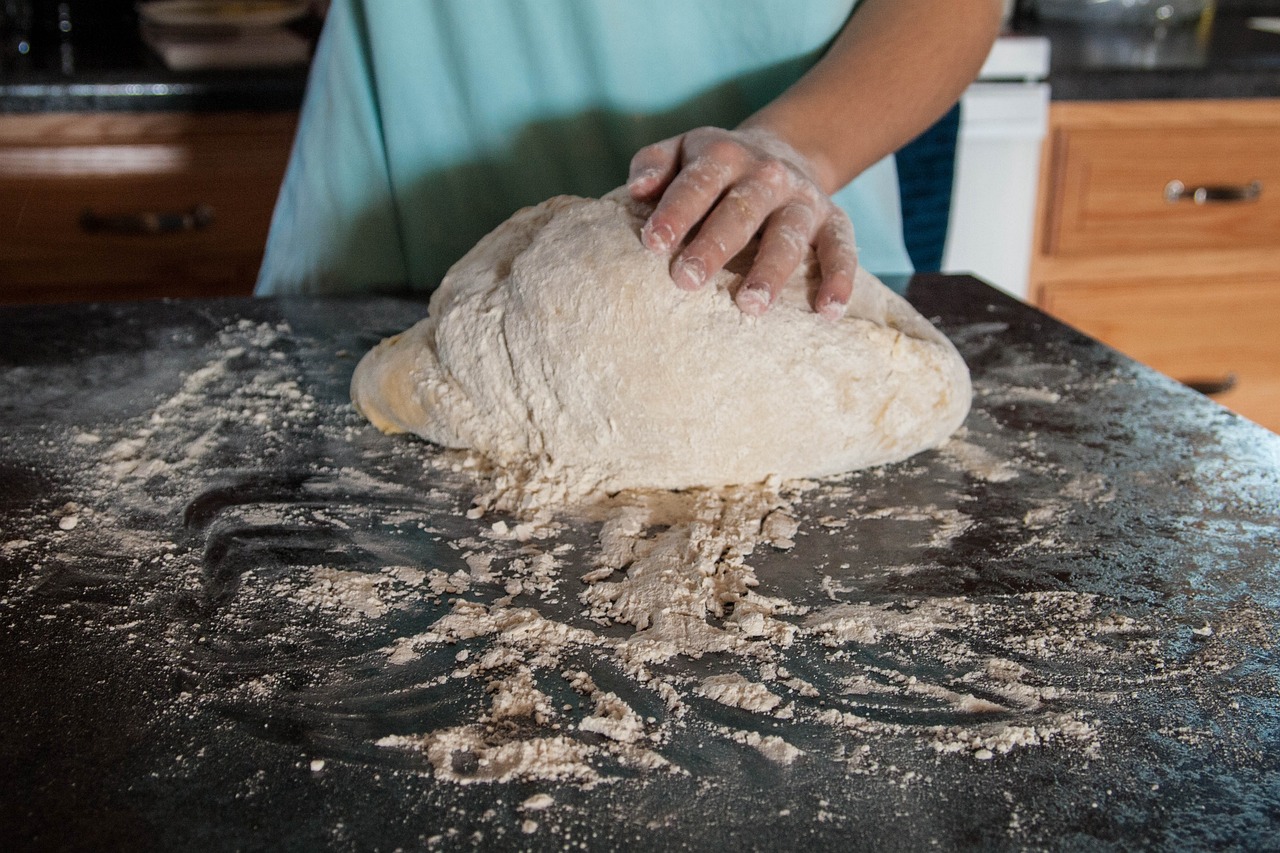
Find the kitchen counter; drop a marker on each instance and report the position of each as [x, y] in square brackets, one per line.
[224, 600]
[113, 70]
[153, 88]
[1232, 61]
[1227, 60]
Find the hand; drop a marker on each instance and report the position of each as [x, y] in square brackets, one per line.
[738, 183]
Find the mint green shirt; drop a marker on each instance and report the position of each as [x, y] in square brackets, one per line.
[426, 123]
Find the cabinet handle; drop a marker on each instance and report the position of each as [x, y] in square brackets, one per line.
[200, 216]
[1212, 387]
[1175, 191]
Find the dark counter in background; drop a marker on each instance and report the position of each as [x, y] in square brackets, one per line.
[90, 57]
[109, 68]
[1224, 58]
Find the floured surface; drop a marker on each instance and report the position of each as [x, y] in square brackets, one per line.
[1062, 613]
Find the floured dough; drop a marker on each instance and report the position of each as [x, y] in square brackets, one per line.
[560, 342]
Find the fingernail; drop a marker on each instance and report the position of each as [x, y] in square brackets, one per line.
[832, 310]
[642, 180]
[753, 299]
[658, 237]
[689, 273]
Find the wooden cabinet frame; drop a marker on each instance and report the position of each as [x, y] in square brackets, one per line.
[135, 205]
[1193, 290]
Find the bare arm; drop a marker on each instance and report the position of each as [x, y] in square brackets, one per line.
[897, 66]
[891, 72]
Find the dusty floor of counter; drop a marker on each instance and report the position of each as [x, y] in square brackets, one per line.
[226, 592]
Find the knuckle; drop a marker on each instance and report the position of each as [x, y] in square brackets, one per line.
[799, 217]
[723, 149]
[774, 173]
[703, 178]
[739, 206]
[748, 201]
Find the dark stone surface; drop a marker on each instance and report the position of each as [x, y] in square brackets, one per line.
[153, 89]
[100, 63]
[1227, 60]
[164, 688]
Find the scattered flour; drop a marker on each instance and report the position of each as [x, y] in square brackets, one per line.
[567, 657]
[737, 692]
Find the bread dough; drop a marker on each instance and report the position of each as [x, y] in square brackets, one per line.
[560, 342]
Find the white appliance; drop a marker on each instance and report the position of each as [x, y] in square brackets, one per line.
[1003, 120]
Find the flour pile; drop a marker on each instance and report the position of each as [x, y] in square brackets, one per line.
[560, 346]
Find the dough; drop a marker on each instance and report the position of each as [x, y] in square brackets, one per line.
[560, 342]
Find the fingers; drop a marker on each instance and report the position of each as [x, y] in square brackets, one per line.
[783, 245]
[838, 260]
[724, 187]
[690, 195]
[652, 169]
[730, 226]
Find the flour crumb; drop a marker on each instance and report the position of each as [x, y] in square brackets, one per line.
[738, 692]
[538, 802]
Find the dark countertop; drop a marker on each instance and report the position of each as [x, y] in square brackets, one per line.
[153, 88]
[1226, 60]
[108, 67]
[1069, 613]
[1232, 61]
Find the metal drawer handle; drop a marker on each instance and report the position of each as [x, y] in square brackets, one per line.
[1211, 387]
[1178, 191]
[200, 216]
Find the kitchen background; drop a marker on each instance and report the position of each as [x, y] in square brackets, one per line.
[1115, 165]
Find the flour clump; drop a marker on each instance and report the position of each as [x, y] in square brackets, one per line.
[559, 345]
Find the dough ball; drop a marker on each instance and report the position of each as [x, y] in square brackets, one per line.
[559, 340]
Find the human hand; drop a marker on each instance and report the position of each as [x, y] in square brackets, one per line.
[738, 183]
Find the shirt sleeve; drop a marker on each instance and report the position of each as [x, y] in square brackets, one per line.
[335, 227]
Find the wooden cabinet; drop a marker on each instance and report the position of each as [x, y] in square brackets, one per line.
[1159, 233]
[137, 205]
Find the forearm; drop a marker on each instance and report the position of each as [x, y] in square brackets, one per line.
[895, 68]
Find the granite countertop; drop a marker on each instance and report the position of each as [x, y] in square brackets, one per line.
[227, 605]
[153, 88]
[112, 69]
[1227, 59]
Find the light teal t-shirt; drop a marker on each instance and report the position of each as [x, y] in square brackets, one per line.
[426, 123]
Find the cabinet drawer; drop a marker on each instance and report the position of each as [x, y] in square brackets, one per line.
[79, 204]
[1113, 182]
[1195, 330]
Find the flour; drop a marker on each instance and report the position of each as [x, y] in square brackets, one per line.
[771, 747]
[692, 571]
[841, 627]
[978, 462]
[614, 719]
[464, 755]
[352, 593]
[738, 692]
[538, 802]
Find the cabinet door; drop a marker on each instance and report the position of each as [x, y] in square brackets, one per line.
[1164, 178]
[1204, 332]
[123, 206]
[1192, 289]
